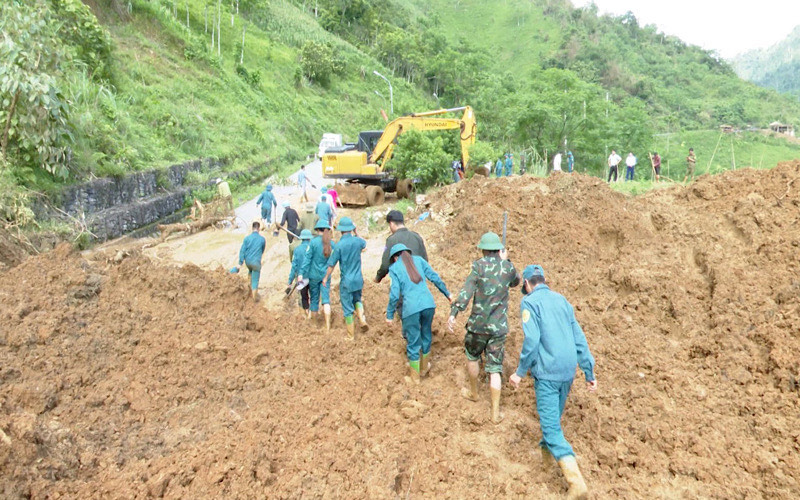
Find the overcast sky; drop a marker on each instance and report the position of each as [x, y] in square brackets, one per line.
[729, 27]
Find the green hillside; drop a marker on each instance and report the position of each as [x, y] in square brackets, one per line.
[777, 67]
[140, 89]
[103, 87]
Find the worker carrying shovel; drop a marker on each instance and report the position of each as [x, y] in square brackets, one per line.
[554, 345]
[268, 202]
[347, 254]
[487, 286]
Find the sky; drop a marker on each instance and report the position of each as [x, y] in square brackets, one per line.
[729, 27]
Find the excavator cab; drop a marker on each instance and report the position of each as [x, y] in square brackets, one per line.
[368, 140]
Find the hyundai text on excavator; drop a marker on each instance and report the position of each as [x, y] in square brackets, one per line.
[365, 166]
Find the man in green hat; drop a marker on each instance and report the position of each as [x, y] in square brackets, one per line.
[309, 219]
[298, 259]
[487, 286]
[347, 254]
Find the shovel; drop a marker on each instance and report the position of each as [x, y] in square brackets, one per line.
[284, 229]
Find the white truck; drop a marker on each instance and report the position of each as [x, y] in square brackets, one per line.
[329, 141]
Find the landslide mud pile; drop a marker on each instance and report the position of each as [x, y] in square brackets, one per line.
[690, 299]
[137, 379]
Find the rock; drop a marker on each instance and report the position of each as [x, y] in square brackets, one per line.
[201, 346]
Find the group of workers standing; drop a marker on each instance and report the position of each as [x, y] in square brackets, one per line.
[554, 343]
[655, 161]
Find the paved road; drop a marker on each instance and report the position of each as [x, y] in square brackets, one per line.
[249, 210]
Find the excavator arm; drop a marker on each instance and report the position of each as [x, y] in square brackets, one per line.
[426, 121]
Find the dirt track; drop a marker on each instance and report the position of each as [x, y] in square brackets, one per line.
[140, 378]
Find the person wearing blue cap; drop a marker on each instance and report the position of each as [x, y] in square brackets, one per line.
[298, 259]
[267, 201]
[509, 164]
[315, 266]
[408, 274]
[554, 345]
[323, 210]
[498, 168]
[250, 254]
[348, 255]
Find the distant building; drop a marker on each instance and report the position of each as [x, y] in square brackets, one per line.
[726, 129]
[782, 128]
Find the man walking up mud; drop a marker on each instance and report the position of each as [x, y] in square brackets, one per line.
[554, 345]
[487, 286]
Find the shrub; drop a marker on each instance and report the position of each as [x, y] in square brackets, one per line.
[422, 158]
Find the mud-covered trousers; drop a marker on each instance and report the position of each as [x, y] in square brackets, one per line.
[317, 291]
[551, 397]
[417, 331]
[255, 274]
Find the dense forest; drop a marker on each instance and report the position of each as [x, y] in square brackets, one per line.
[777, 67]
[103, 87]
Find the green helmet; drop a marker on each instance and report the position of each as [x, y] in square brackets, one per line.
[490, 241]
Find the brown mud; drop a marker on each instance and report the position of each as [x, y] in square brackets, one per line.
[133, 377]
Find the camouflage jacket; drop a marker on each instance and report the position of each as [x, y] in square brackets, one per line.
[487, 286]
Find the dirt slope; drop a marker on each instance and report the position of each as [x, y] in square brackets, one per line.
[143, 379]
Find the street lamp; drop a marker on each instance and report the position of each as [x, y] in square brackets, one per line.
[391, 94]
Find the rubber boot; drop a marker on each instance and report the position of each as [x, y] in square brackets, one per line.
[577, 486]
[425, 365]
[472, 392]
[496, 417]
[362, 317]
[548, 462]
[413, 371]
[351, 330]
[327, 310]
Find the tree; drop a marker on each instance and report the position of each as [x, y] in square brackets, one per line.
[319, 62]
[34, 114]
[422, 158]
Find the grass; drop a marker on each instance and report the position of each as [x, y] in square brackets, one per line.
[174, 99]
[720, 152]
[515, 32]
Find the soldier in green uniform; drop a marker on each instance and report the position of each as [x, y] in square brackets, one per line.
[691, 159]
[487, 286]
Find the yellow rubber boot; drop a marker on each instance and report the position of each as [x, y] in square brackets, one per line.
[351, 330]
[577, 486]
[548, 462]
[496, 417]
[472, 392]
[425, 365]
[413, 371]
[362, 317]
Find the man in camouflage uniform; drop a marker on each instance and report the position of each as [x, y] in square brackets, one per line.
[691, 159]
[487, 286]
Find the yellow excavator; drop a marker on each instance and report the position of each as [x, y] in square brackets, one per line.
[365, 166]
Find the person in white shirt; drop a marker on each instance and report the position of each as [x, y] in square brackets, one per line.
[613, 165]
[557, 162]
[630, 162]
